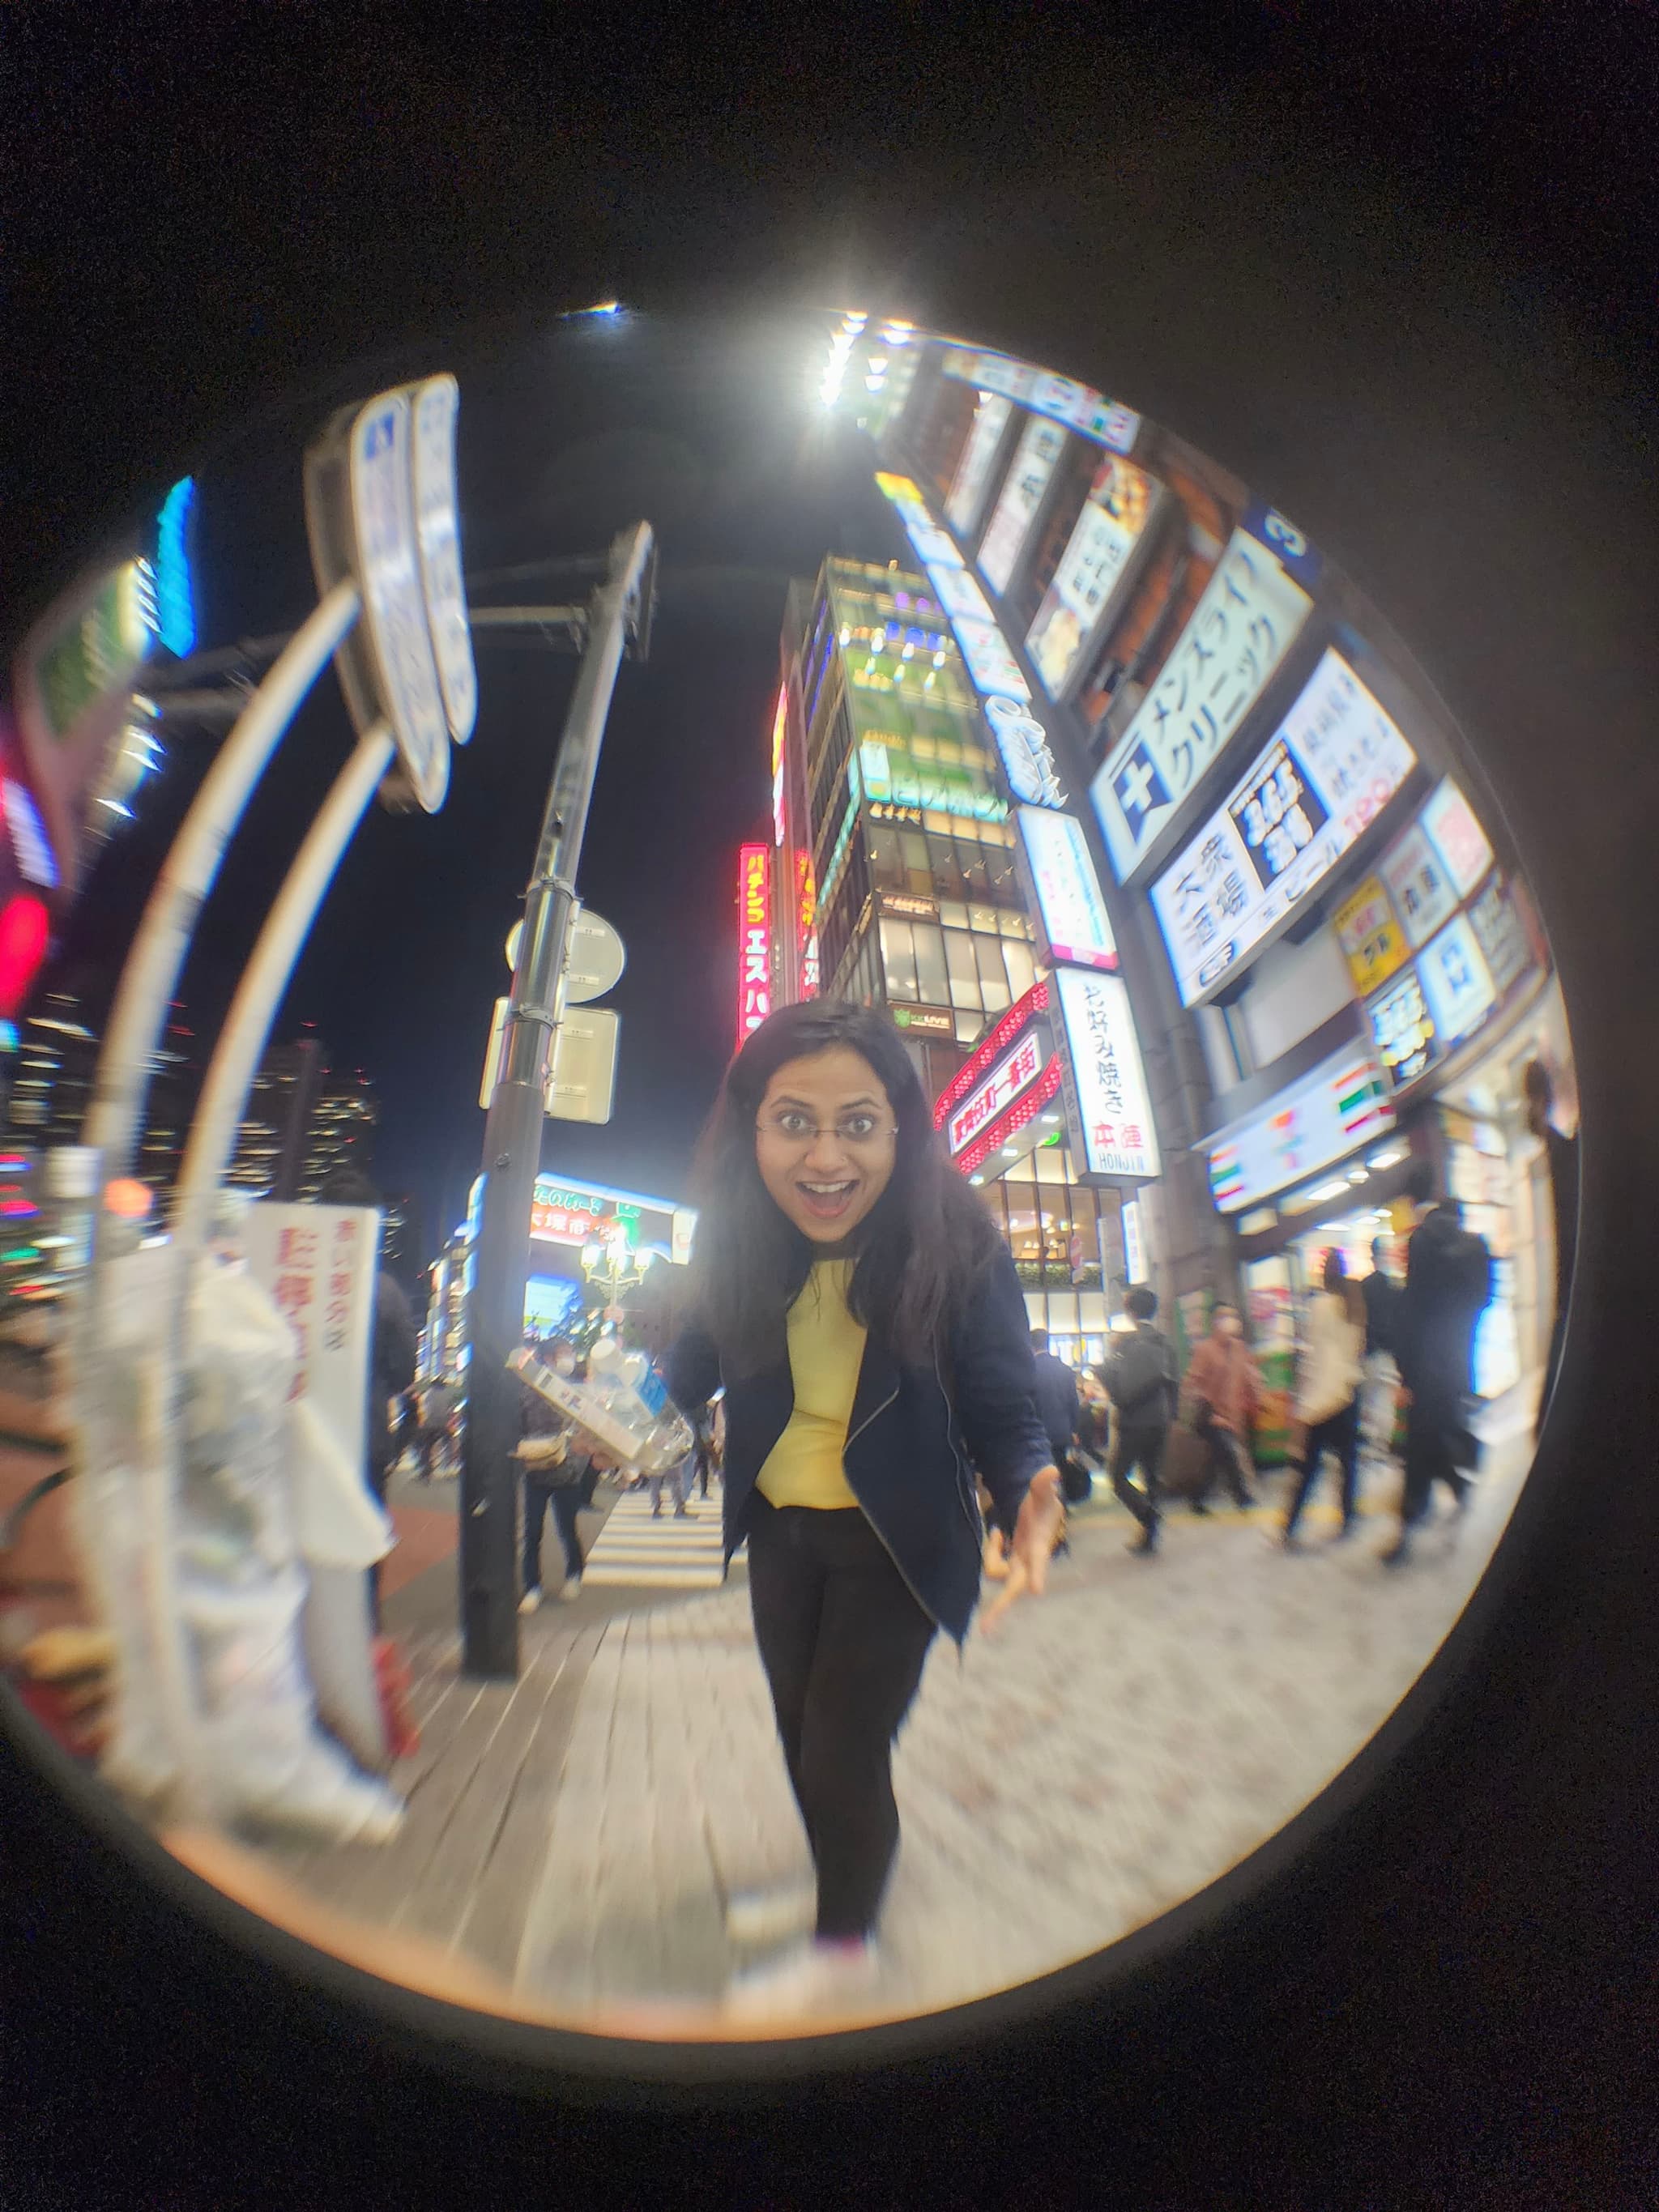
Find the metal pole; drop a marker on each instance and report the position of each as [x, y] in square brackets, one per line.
[187, 876]
[248, 1026]
[513, 1135]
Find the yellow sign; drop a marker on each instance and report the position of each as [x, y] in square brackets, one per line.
[1370, 937]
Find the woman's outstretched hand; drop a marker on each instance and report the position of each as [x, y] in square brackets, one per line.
[1038, 1530]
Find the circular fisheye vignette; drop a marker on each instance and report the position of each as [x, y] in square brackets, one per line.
[1055, 651]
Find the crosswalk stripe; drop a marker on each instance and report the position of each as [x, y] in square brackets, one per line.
[658, 1552]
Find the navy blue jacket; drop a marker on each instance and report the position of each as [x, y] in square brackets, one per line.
[1056, 1399]
[912, 1446]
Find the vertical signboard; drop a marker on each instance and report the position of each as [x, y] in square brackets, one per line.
[318, 1263]
[780, 814]
[1025, 487]
[394, 602]
[985, 653]
[1028, 760]
[436, 403]
[1087, 585]
[1107, 1103]
[968, 488]
[1066, 890]
[754, 938]
[1250, 615]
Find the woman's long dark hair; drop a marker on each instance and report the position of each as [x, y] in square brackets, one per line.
[923, 1246]
[1337, 1281]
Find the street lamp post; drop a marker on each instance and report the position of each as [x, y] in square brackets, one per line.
[621, 613]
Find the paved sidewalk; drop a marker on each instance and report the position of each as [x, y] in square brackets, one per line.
[1117, 1746]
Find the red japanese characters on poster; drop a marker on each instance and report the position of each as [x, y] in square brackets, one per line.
[318, 1263]
[754, 938]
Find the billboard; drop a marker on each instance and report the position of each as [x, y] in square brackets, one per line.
[1235, 639]
[1064, 888]
[1458, 982]
[1370, 934]
[779, 815]
[1324, 776]
[754, 938]
[1107, 1103]
[1028, 760]
[1340, 1105]
[1024, 490]
[1006, 1083]
[1079, 406]
[968, 488]
[991, 667]
[1087, 586]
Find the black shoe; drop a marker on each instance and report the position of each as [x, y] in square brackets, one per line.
[1347, 1531]
[1397, 1554]
[1200, 1508]
[1144, 1546]
[1290, 1541]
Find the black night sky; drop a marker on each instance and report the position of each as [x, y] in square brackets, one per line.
[708, 431]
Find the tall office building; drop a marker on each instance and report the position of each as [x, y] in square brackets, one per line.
[301, 1123]
[895, 884]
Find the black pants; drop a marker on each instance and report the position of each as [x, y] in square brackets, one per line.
[566, 1500]
[1339, 1434]
[1141, 1448]
[1227, 1461]
[1433, 1430]
[380, 1479]
[843, 1642]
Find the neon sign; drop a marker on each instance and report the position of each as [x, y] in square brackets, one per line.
[779, 820]
[175, 598]
[755, 961]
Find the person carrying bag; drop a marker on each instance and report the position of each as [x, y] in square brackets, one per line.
[1328, 1393]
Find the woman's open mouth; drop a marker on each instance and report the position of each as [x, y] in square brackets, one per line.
[827, 1202]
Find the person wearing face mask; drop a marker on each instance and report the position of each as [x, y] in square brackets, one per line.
[1222, 1386]
[556, 1476]
[851, 1294]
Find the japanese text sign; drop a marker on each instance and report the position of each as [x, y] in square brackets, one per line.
[1106, 1096]
[1370, 935]
[1040, 448]
[1078, 601]
[1330, 768]
[1066, 888]
[754, 938]
[1238, 636]
[319, 1263]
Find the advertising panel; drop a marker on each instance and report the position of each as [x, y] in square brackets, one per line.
[1458, 837]
[984, 1055]
[1078, 602]
[1420, 883]
[1040, 445]
[1500, 935]
[1014, 1073]
[1112, 1132]
[1079, 406]
[779, 820]
[318, 1264]
[1250, 615]
[1327, 772]
[1370, 937]
[1315, 1122]
[990, 665]
[973, 476]
[754, 938]
[1458, 980]
[1028, 761]
[1066, 889]
[1403, 1030]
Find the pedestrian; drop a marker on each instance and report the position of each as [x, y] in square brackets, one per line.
[1539, 1091]
[1059, 1408]
[1448, 1284]
[676, 1480]
[1141, 1377]
[1222, 1387]
[438, 1403]
[1379, 1392]
[393, 1349]
[556, 1476]
[872, 1337]
[1328, 1395]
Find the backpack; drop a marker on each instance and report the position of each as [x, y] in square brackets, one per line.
[1138, 1375]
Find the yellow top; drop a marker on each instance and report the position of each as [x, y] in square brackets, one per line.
[826, 1350]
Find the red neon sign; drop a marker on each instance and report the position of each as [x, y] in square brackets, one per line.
[754, 938]
[984, 1056]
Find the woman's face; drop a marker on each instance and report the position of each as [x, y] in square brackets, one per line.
[824, 1142]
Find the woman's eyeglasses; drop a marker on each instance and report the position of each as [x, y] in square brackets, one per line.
[788, 1131]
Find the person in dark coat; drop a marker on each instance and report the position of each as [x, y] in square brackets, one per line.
[563, 1485]
[1448, 1284]
[868, 1325]
[1142, 1377]
[1381, 1295]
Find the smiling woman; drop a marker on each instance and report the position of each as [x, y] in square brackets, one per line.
[870, 1332]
